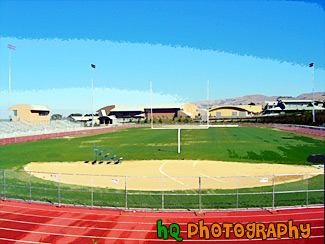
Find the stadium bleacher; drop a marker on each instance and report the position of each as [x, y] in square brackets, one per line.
[16, 129]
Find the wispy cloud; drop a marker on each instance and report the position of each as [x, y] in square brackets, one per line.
[58, 73]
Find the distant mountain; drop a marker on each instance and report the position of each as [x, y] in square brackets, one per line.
[257, 99]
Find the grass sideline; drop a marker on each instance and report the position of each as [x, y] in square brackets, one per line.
[17, 187]
[242, 144]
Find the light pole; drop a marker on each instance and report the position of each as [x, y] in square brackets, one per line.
[151, 115]
[92, 94]
[312, 65]
[11, 47]
[208, 110]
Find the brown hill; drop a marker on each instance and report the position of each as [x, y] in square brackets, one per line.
[257, 99]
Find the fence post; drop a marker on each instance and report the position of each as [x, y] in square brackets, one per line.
[59, 194]
[273, 197]
[162, 193]
[4, 185]
[237, 191]
[92, 191]
[307, 200]
[30, 186]
[200, 193]
[126, 194]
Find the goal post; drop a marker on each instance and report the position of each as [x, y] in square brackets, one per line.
[177, 126]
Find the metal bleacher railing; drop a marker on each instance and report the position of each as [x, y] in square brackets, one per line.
[25, 133]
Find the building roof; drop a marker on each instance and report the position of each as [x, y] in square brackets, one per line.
[124, 108]
[165, 106]
[187, 113]
[107, 108]
[31, 107]
[295, 108]
[39, 107]
[248, 108]
[292, 101]
[296, 101]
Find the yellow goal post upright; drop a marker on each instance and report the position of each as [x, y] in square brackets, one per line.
[179, 127]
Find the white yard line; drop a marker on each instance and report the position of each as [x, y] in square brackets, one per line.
[160, 170]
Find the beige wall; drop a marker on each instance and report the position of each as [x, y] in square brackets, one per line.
[191, 108]
[27, 116]
[255, 108]
[235, 111]
[224, 112]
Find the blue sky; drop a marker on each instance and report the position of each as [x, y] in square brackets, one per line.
[241, 47]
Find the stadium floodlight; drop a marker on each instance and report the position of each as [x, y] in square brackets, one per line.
[10, 47]
[92, 94]
[312, 65]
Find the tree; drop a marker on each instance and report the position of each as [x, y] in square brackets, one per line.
[56, 117]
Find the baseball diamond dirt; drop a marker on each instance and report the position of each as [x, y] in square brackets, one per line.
[170, 174]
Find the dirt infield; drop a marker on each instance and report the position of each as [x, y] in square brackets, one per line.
[169, 174]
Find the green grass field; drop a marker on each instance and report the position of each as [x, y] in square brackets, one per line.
[242, 144]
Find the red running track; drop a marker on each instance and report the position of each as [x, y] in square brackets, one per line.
[36, 223]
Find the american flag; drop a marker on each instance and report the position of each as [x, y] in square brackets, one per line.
[11, 47]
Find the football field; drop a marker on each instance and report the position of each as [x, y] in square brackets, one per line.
[217, 164]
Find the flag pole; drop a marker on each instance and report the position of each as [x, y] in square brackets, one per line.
[10, 47]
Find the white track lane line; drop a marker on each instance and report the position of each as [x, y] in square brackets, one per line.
[150, 223]
[79, 236]
[69, 211]
[204, 174]
[160, 170]
[141, 238]
[80, 227]
[18, 241]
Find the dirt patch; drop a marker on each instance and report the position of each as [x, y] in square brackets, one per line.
[170, 174]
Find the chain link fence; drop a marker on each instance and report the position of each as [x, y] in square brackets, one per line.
[193, 193]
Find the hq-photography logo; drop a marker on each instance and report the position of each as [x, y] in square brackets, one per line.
[252, 230]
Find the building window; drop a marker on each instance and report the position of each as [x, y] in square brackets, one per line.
[242, 114]
[43, 113]
[15, 112]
